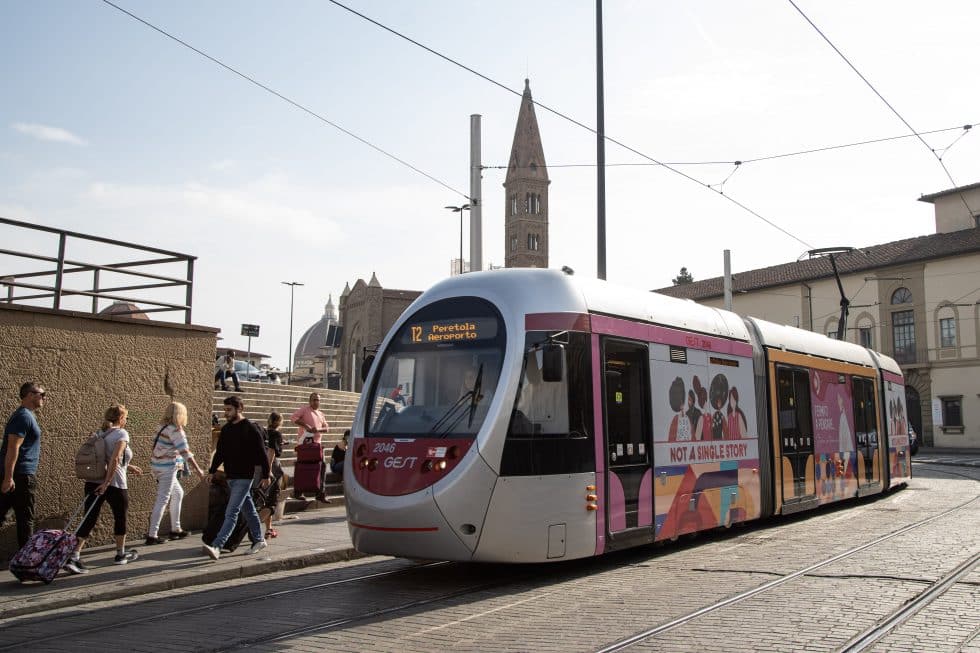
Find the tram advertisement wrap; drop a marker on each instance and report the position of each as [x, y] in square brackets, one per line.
[831, 403]
[697, 453]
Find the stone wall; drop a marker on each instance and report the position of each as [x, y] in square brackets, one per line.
[86, 362]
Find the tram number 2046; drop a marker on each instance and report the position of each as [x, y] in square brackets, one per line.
[384, 447]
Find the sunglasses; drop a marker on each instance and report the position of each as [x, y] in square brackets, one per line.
[38, 392]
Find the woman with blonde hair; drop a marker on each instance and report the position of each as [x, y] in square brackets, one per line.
[171, 454]
[112, 490]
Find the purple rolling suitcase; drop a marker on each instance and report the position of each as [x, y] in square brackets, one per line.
[308, 468]
[46, 552]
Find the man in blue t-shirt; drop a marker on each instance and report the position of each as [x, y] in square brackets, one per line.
[19, 455]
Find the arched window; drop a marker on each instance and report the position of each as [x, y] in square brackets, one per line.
[513, 204]
[532, 242]
[902, 296]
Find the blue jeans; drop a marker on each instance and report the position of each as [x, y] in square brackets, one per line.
[239, 498]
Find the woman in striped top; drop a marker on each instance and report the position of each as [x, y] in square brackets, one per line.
[171, 454]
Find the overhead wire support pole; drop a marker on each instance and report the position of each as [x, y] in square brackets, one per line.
[600, 149]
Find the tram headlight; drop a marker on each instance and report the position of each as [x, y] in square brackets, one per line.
[441, 465]
[363, 463]
[372, 464]
[453, 453]
[361, 450]
[427, 466]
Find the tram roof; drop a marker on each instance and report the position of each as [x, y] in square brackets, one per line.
[546, 291]
[789, 338]
[610, 299]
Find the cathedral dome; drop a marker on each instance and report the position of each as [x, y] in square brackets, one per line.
[311, 343]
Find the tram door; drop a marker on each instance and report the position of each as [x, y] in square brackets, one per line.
[628, 433]
[795, 430]
[866, 429]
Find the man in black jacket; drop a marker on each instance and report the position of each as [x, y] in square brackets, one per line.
[241, 449]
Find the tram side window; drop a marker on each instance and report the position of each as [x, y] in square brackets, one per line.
[795, 419]
[550, 430]
[864, 411]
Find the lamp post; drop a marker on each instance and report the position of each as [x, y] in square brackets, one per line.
[292, 287]
[460, 209]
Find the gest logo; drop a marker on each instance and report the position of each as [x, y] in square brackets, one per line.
[400, 462]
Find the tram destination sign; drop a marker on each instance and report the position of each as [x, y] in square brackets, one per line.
[450, 331]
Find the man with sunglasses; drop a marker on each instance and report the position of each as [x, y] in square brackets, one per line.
[19, 456]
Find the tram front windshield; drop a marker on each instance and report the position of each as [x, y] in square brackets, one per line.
[439, 373]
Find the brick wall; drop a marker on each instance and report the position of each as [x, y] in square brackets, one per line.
[86, 362]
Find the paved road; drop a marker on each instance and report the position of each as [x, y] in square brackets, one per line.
[383, 604]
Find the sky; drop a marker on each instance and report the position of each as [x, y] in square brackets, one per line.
[110, 128]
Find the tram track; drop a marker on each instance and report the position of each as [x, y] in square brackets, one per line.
[339, 623]
[208, 607]
[641, 636]
[873, 635]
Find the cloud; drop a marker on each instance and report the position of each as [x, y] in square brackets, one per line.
[46, 133]
[271, 206]
[224, 165]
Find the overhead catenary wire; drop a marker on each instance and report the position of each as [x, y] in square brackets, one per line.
[578, 123]
[288, 100]
[888, 104]
[964, 130]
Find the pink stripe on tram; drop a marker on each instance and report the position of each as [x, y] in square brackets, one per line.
[600, 447]
[557, 322]
[652, 333]
[894, 378]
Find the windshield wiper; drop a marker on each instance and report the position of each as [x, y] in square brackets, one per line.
[454, 411]
[475, 399]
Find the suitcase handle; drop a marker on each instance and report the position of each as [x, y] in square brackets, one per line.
[78, 510]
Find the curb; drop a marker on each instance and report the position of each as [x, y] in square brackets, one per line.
[97, 594]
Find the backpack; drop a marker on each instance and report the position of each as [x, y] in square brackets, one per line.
[91, 458]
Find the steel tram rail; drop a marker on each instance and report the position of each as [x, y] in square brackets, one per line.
[738, 598]
[337, 623]
[871, 636]
[216, 605]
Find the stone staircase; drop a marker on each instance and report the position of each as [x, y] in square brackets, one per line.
[262, 398]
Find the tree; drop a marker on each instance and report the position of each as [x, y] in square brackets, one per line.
[682, 278]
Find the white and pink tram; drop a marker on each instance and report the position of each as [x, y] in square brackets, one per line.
[530, 415]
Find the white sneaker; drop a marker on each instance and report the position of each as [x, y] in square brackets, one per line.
[211, 551]
[258, 546]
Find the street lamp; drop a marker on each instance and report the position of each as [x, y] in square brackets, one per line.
[460, 209]
[292, 287]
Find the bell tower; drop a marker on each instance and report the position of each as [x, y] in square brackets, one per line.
[526, 193]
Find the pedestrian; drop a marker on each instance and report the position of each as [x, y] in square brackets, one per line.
[339, 454]
[397, 396]
[20, 453]
[225, 367]
[113, 490]
[312, 424]
[274, 452]
[171, 455]
[240, 449]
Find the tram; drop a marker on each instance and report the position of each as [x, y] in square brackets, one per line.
[531, 416]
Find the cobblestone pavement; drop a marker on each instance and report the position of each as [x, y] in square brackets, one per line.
[586, 605]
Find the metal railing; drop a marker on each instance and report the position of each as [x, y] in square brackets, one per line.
[34, 280]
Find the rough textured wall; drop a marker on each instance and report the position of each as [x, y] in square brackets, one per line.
[85, 363]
